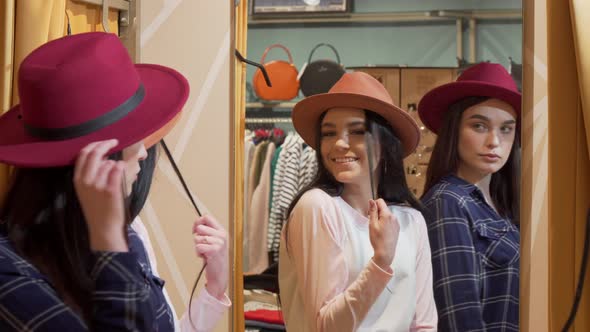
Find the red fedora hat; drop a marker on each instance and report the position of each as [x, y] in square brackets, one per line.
[84, 88]
[484, 79]
[358, 90]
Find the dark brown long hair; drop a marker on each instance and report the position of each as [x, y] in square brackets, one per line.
[504, 185]
[392, 187]
[44, 221]
[43, 218]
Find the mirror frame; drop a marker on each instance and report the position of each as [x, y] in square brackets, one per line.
[239, 14]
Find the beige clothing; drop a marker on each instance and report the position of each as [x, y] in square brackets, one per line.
[258, 219]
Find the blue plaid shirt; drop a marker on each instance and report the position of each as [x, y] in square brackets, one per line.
[127, 296]
[475, 259]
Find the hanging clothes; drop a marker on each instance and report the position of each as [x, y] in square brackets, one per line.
[296, 168]
[252, 176]
[257, 230]
[249, 148]
[273, 168]
[274, 176]
[308, 168]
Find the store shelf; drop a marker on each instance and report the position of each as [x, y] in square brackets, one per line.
[269, 120]
[510, 14]
[422, 16]
[351, 18]
[271, 105]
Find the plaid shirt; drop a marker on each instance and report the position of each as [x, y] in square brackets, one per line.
[475, 259]
[126, 297]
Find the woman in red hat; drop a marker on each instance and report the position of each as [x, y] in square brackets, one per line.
[347, 260]
[73, 255]
[472, 198]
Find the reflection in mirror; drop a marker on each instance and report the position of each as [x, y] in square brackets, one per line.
[306, 171]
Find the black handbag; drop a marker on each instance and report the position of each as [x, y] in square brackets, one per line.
[320, 75]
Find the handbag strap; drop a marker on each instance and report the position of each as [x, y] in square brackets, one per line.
[324, 44]
[276, 46]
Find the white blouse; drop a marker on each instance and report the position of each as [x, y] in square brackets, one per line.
[329, 282]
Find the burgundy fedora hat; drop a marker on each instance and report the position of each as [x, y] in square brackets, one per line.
[484, 79]
[358, 90]
[84, 88]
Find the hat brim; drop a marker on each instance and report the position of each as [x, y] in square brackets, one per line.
[437, 101]
[166, 92]
[306, 115]
[159, 134]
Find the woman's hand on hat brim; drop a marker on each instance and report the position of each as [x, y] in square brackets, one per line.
[98, 183]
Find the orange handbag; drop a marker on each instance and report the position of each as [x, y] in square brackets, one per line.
[283, 78]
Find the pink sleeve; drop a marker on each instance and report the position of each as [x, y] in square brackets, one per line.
[425, 318]
[315, 244]
[205, 311]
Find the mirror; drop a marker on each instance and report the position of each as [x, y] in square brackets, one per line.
[409, 47]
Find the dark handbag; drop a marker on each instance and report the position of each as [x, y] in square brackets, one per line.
[283, 77]
[319, 76]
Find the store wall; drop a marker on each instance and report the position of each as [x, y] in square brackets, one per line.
[415, 44]
[411, 44]
[194, 38]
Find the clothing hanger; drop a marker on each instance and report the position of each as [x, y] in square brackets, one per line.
[105, 15]
[69, 26]
[255, 64]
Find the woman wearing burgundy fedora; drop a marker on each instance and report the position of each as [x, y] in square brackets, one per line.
[73, 255]
[472, 198]
[354, 253]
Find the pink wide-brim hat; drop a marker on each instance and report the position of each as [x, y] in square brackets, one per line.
[84, 88]
[484, 79]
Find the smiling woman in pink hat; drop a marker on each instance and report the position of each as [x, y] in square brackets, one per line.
[73, 255]
[354, 253]
[472, 198]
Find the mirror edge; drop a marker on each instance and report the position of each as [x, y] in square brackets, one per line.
[238, 27]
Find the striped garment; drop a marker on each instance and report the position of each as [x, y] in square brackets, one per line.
[308, 168]
[285, 183]
[296, 168]
[475, 259]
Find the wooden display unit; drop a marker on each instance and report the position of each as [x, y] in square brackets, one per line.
[407, 85]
